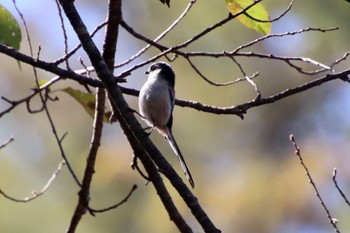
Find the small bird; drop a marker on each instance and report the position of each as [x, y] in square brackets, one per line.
[156, 104]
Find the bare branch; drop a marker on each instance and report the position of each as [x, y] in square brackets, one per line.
[65, 37]
[248, 79]
[292, 33]
[219, 24]
[14, 103]
[241, 109]
[332, 220]
[338, 188]
[134, 165]
[8, 141]
[185, 44]
[143, 147]
[109, 48]
[134, 187]
[75, 49]
[343, 58]
[84, 193]
[43, 101]
[207, 79]
[151, 159]
[51, 67]
[36, 194]
[271, 20]
[162, 35]
[25, 27]
[288, 60]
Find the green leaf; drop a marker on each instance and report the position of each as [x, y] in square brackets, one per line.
[87, 100]
[258, 12]
[10, 32]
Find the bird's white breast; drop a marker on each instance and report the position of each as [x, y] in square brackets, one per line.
[156, 105]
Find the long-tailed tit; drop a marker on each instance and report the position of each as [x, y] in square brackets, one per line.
[156, 104]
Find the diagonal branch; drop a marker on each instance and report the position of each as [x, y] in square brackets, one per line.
[8, 141]
[298, 154]
[162, 35]
[132, 129]
[126, 198]
[48, 66]
[43, 100]
[184, 44]
[334, 178]
[84, 193]
[109, 49]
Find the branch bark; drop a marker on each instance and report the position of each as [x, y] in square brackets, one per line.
[142, 146]
[109, 48]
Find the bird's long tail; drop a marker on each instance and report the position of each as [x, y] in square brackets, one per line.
[178, 153]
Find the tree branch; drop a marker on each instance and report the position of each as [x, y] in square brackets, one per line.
[186, 43]
[84, 193]
[134, 187]
[242, 109]
[332, 220]
[334, 178]
[153, 42]
[48, 66]
[44, 98]
[8, 141]
[109, 48]
[36, 194]
[127, 121]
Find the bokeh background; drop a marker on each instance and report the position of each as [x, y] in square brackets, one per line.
[247, 176]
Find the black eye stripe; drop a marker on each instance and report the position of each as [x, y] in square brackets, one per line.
[153, 67]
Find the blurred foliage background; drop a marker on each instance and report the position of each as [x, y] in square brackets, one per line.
[247, 176]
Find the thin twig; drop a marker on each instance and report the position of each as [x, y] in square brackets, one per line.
[248, 79]
[195, 68]
[75, 49]
[292, 33]
[5, 143]
[43, 101]
[87, 71]
[134, 165]
[332, 220]
[271, 20]
[65, 37]
[184, 44]
[134, 187]
[36, 194]
[343, 58]
[26, 100]
[338, 188]
[25, 27]
[162, 35]
[288, 60]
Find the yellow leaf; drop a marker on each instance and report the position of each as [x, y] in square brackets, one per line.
[254, 18]
[87, 101]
